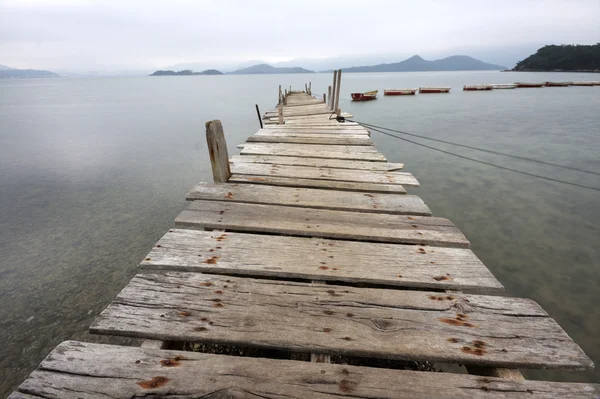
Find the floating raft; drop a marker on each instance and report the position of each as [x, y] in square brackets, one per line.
[308, 246]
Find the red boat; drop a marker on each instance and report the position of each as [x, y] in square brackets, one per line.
[366, 96]
[523, 84]
[434, 89]
[558, 84]
[400, 92]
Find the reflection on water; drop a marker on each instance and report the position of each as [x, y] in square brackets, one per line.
[93, 172]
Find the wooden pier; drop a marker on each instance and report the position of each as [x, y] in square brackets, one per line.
[304, 253]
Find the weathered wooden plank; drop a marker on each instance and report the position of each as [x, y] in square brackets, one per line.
[300, 139]
[366, 322]
[327, 124]
[358, 153]
[308, 172]
[315, 183]
[77, 370]
[318, 162]
[349, 133]
[321, 223]
[319, 147]
[320, 259]
[311, 198]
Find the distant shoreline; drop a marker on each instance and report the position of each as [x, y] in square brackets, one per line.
[552, 70]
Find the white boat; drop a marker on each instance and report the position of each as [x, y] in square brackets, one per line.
[477, 87]
[502, 86]
[434, 89]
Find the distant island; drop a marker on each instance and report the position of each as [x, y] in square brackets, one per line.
[418, 64]
[187, 72]
[7, 72]
[574, 58]
[268, 69]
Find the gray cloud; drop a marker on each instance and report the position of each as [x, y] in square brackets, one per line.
[145, 35]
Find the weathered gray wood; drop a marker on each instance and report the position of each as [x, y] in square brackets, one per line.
[316, 132]
[507, 374]
[332, 105]
[366, 322]
[321, 223]
[217, 149]
[280, 115]
[337, 92]
[77, 370]
[320, 259]
[153, 344]
[332, 124]
[308, 172]
[329, 96]
[319, 139]
[346, 135]
[315, 183]
[311, 198]
[358, 153]
[318, 162]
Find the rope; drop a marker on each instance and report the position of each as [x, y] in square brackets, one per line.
[481, 149]
[479, 161]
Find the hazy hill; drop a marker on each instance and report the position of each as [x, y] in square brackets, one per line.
[187, 72]
[268, 69]
[562, 58]
[416, 63]
[8, 72]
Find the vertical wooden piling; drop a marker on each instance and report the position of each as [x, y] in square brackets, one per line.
[217, 149]
[280, 114]
[279, 98]
[337, 92]
[305, 88]
[329, 95]
[310, 88]
[324, 98]
[332, 101]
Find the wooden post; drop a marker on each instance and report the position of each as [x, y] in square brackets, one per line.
[310, 88]
[324, 98]
[259, 118]
[305, 88]
[337, 92]
[279, 99]
[280, 114]
[217, 149]
[332, 101]
[329, 95]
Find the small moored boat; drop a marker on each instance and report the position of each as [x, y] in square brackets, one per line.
[399, 92]
[583, 83]
[525, 84]
[366, 96]
[558, 84]
[502, 86]
[434, 89]
[477, 87]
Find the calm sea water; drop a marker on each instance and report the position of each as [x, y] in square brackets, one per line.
[94, 171]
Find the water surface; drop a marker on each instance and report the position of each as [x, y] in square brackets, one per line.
[94, 171]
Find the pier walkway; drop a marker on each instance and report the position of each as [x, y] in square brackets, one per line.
[305, 256]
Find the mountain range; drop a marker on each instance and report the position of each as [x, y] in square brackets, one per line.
[8, 72]
[186, 72]
[417, 63]
[268, 69]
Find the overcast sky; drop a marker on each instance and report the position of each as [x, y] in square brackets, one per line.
[145, 35]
